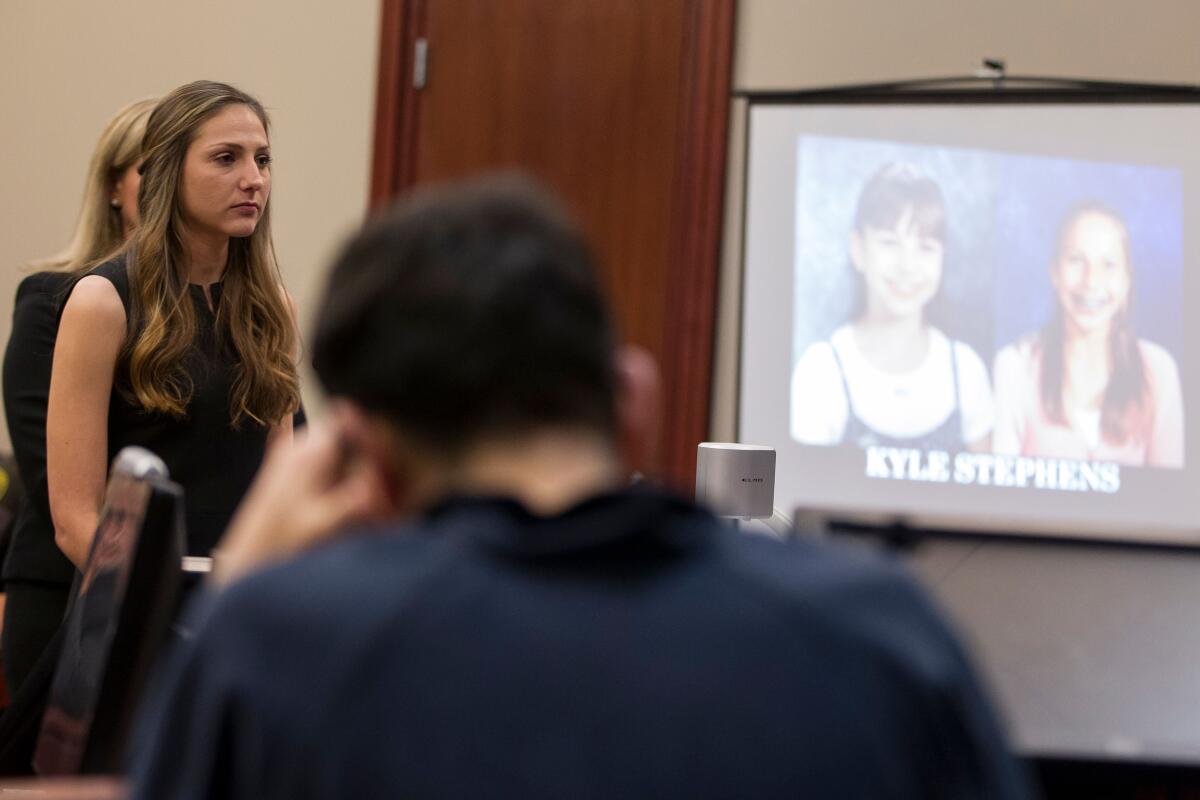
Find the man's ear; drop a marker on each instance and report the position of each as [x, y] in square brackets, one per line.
[639, 393]
[369, 444]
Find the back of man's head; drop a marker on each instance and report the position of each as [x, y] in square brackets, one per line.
[470, 312]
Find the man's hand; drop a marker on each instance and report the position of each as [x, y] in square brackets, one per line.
[308, 489]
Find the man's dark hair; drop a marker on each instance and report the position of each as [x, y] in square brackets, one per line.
[469, 312]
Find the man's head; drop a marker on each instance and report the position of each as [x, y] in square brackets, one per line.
[471, 314]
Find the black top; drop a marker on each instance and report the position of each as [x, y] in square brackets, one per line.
[206, 455]
[33, 555]
[632, 647]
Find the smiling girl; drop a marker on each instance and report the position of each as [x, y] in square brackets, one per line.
[1085, 387]
[889, 377]
[184, 343]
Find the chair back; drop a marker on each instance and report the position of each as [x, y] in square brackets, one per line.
[117, 620]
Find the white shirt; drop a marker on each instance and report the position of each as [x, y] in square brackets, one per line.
[899, 405]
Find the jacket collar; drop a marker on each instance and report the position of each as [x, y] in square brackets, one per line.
[634, 516]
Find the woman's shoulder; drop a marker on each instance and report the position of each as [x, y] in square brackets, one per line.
[35, 315]
[115, 273]
[43, 283]
[39, 297]
[94, 290]
[816, 365]
[842, 338]
[818, 355]
[115, 270]
[94, 300]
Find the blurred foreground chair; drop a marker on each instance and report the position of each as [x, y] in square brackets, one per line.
[73, 714]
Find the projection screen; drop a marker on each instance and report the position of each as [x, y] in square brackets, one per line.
[976, 313]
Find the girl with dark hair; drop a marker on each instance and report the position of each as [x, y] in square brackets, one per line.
[184, 343]
[1085, 387]
[890, 377]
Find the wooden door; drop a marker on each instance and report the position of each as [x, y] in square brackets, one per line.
[618, 105]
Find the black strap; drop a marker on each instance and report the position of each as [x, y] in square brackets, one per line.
[957, 399]
[837, 360]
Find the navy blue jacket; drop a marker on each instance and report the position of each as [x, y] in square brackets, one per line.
[632, 647]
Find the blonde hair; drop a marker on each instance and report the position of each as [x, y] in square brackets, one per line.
[253, 319]
[99, 232]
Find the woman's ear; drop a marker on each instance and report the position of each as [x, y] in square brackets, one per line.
[639, 392]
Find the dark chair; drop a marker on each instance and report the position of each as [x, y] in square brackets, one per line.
[120, 611]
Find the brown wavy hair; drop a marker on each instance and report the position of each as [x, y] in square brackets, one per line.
[1127, 408]
[253, 318]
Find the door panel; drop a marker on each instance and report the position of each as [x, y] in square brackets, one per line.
[599, 100]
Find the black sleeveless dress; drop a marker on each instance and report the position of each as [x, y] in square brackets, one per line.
[37, 576]
[213, 461]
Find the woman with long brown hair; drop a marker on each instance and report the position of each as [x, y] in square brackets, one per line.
[37, 577]
[185, 342]
[1086, 387]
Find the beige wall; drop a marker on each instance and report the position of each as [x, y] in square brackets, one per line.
[793, 44]
[68, 64]
[787, 44]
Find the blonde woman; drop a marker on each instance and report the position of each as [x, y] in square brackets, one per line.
[37, 576]
[184, 343]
